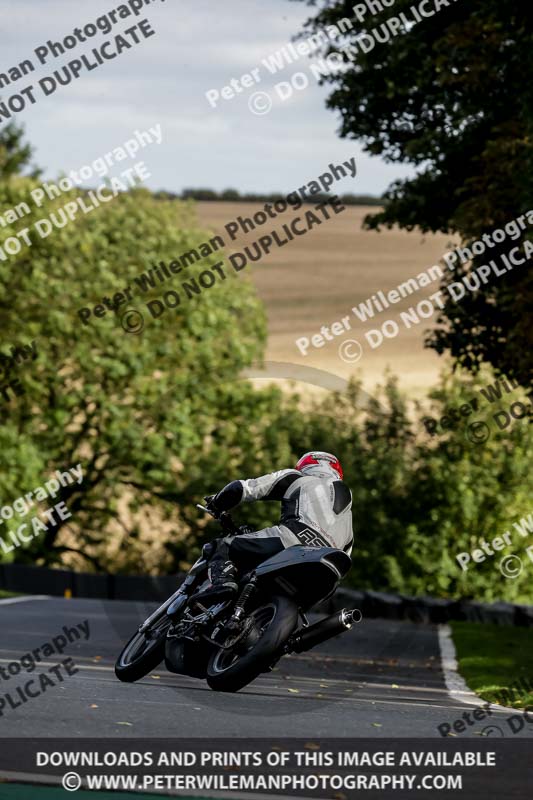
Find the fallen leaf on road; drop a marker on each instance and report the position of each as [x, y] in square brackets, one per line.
[395, 686]
[312, 746]
[294, 691]
[156, 677]
[94, 706]
[377, 724]
[97, 658]
[125, 723]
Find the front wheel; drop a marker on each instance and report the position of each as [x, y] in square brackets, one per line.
[271, 626]
[143, 652]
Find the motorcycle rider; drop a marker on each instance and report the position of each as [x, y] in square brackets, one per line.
[316, 511]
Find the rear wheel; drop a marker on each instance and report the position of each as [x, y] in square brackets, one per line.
[270, 626]
[143, 652]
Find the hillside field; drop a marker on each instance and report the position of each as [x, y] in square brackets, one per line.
[317, 278]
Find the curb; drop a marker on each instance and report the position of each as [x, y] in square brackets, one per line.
[429, 610]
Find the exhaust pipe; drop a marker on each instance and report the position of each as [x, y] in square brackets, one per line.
[324, 629]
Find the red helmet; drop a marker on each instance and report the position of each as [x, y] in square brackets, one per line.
[317, 462]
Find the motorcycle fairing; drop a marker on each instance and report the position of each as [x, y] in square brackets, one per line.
[307, 574]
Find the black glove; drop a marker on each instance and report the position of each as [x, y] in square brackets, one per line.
[210, 504]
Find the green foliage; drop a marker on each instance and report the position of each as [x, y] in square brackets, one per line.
[137, 411]
[421, 500]
[453, 97]
[15, 155]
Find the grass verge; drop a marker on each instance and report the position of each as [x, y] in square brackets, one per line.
[496, 661]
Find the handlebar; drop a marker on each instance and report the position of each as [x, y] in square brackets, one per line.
[207, 510]
[226, 522]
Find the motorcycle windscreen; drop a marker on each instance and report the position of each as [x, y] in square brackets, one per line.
[305, 574]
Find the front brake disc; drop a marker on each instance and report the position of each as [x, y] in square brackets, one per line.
[237, 637]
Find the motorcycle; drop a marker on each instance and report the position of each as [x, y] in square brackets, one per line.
[230, 642]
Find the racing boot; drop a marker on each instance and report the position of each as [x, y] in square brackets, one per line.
[223, 577]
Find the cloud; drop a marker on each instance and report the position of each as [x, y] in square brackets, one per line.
[199, 45]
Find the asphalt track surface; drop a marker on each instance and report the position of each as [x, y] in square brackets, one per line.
[381, 679]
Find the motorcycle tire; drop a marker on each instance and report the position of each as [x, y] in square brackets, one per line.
[143, 652]
[231, 670]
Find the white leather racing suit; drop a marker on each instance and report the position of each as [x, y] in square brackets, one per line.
[315, 511]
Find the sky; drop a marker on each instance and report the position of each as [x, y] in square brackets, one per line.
[200, 45]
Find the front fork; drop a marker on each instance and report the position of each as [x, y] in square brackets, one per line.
[175, 601]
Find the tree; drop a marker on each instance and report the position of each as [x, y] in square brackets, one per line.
[420, 500]
[15, 155]
[141, 413]
[230, 195]
[453, 96]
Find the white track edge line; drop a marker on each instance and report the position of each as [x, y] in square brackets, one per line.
[8, 600]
